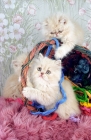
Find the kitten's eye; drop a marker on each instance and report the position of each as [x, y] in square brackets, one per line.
[48, 72]
[59, 20]
[39, 68]
[60, 31]
[51, 33]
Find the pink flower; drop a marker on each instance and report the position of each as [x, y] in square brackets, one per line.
[89, 24]
[72, 2]
[12, 49]
[16, 31]
[3, 21]
[3, 34]
[17, 19]
[31, 9]
[2, 50]
[82, 11]
[88, 1]
[9, 4]
[38, 26]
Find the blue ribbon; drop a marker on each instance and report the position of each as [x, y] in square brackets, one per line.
[48, 50]
[50, 46]
[56, 42]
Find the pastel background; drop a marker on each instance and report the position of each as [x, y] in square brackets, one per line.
[20, 26]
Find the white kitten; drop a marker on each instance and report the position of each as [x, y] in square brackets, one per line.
[65, 29]
[12, 88]
[45, 74]
[18, 62]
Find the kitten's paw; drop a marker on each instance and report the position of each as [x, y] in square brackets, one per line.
[26, 92]
[59, 54]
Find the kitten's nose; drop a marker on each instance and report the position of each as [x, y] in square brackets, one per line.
[56, 34]
[42, 73]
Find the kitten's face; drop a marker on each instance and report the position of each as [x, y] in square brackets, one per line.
[55, 27]
[18, 62]
[45, 71]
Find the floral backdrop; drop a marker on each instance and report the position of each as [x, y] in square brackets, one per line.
[20, 26]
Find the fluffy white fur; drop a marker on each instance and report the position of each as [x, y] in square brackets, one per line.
[65, 29]
[12, 88]
[43, 76]
[18, 62]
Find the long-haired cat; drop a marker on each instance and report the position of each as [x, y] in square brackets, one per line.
[44, 75]
[18, 62]
[12, 88]
[65, 29]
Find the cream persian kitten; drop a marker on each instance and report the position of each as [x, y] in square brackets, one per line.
[65, 29]
[12, 88]
[44, 75]
[18, 62]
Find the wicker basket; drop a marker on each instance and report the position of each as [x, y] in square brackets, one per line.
[76, 67]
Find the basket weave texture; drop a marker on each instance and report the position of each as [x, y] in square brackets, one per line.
[76, 67]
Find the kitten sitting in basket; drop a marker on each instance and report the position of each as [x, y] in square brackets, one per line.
[43, 78]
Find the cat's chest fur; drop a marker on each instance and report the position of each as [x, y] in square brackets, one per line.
[47, 88]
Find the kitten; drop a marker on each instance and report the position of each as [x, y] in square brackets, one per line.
[12, 88]
[44, 75]
[18, 62]
[65, 29]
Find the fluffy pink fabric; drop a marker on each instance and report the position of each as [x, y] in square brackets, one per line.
[17, 124]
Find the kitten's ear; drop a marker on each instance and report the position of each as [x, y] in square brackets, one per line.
[58, 62]
[45, 23]
[15, 63]
[63, 21]
[40, 56]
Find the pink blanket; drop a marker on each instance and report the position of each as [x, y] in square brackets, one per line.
[17, 124]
